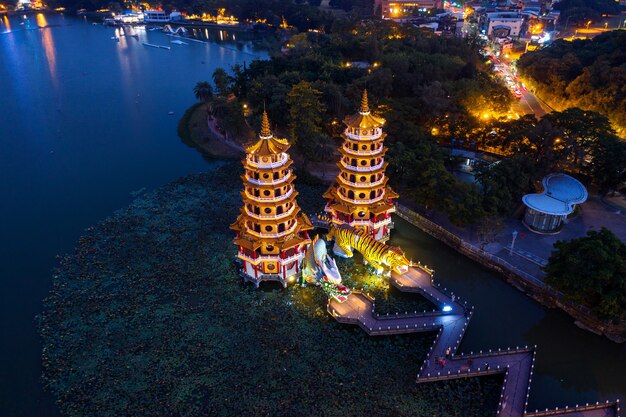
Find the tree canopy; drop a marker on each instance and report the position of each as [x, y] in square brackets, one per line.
[591, 270]
[590, 74]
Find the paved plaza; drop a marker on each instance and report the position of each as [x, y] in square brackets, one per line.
[532, 250]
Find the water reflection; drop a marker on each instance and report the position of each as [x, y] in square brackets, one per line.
[578, 359]
[7, 24]
[48, 47]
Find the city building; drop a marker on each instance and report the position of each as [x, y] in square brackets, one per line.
[546, 211]
[501, 24]
[272, 233]
[398, 9]
[360, 196]
[159, 16]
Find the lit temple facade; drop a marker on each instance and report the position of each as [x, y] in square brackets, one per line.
[272, 233]
[360, 196]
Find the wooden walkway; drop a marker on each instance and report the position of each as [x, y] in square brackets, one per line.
[450, 320]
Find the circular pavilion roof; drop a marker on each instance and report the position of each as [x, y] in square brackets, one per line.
[560, 194]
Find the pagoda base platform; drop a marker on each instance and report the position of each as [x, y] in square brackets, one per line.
[270, 277]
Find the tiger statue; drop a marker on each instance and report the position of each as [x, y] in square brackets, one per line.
[376, 253]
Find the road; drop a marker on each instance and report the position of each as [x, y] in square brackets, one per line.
[528, 103]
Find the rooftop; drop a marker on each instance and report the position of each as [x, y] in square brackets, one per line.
[560, 194]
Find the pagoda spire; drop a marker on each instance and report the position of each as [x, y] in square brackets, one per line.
[266, 132]
[365, 108]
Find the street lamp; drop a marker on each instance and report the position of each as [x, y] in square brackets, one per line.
[588, 23]
[514, 234]
[567, 23]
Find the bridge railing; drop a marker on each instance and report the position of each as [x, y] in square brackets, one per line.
[579, 408]
[443, 376]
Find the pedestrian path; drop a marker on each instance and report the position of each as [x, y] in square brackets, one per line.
[531, 257]
[450, 321]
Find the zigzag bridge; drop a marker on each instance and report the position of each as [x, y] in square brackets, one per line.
[516, 364]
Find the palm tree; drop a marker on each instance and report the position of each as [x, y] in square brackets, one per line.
[323, 147]
[203, 91]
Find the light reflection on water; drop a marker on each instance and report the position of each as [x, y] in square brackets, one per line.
[47, 42]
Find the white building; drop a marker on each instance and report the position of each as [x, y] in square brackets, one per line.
[546, 211]
[155, 16]
[502, 24]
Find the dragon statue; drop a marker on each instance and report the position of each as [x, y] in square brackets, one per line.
[377, 254]
[321, 269]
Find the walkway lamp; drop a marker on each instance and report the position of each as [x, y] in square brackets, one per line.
[446, 308]
[514, 235]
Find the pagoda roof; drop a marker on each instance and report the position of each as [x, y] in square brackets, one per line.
[253, 243]
[364, 119]
[389, 193]
[267, 203]
[248, 165]
[348, 208]
[343, 206]
[362, 185]
[346, 138]
[267, 144]
[271, 220]
[262, 186]
[343, 168]
[353, 154]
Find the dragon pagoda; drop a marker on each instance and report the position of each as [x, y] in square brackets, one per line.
[360, 196]
[272, 233]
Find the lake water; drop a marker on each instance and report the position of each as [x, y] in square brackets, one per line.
[84, 126]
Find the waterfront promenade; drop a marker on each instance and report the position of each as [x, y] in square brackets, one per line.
[450, 320]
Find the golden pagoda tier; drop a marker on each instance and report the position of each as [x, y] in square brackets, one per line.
[272, 233]
[360, 196]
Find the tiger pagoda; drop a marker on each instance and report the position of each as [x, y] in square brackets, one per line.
[360, 196]
[272, 233]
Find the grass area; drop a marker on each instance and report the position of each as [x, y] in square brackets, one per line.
[148, 317]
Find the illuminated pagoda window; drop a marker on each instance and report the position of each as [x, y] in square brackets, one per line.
[272, 233]
[360, 196]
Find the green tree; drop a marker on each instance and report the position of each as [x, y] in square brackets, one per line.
[591, 270]
[506, 181]
[608, 166]
[305, 115]
[221, 81]
[203, 91]
[323, 147]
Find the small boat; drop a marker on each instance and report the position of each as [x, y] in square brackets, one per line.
[115, 38]
[171, 113]
[177, 42]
